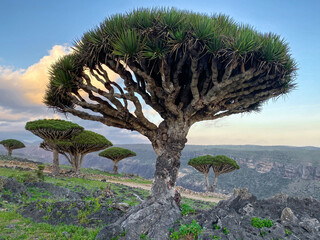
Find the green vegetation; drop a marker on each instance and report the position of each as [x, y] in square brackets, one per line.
[77, 147]
[225, 231]
[116, 154]
[220, 164]
[216, 227]
[26, 177]
[39, 172]
[143, 236]
[27, 229]
[186, 209]
[52, 130]
[54, 124]
[260, 223]
[288, 232]
[12, 144]
[47, 202]
[191, 231]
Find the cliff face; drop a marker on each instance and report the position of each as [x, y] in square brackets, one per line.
[303, 171]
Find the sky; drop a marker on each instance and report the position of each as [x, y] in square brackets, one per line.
[34, 34]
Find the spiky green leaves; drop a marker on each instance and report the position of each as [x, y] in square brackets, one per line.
[63, 81]
[64, 72]
[127, 44]
[213, 161]
[12, 144]
[275, 49]
[129, 36]
[53, 124]
[117, 153]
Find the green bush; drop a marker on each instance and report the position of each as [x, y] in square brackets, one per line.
[186, 209]
[25, 177]
[225, 231]
[39, 172]
[260, 223]
[186, 231]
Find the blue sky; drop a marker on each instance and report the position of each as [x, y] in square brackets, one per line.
[35, 33]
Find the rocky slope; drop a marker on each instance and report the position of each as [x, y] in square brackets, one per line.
[242, 216]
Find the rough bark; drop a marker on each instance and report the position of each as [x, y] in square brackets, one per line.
[204, 168]
[9, 151]
[75, 163]
[55, 163]
[207, 181]
[214, 183]
[115, 167]
[168, 144]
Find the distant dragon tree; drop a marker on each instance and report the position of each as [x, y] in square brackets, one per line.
[78, 146]
[116, 154]
[12, 144]
[51, 131]
[220, 165]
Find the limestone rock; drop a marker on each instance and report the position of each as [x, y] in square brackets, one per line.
[288, 216]
[310, 225]
[120, 206]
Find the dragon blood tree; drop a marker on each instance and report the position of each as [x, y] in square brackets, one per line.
[116, 154]
[202, 164]
[78, 146]
[12, 144]
[52, 130]
[221, 164]
[186, 66]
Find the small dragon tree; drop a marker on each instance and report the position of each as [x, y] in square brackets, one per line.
[12, 144]
[116, 154]
[188, 67]
[202, 164]
[52, 130]
[221, 164]
[76, 148]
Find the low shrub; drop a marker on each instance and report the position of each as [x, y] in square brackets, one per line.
[191, 231]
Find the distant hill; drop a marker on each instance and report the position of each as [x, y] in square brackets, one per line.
[265, 170]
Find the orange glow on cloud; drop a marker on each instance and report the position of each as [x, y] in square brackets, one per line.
[35, 79]
[32, 82]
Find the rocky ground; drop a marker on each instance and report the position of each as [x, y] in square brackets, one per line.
[66, 207]
[292, 218]
[242, 216]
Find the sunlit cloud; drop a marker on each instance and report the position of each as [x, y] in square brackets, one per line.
[35, 79]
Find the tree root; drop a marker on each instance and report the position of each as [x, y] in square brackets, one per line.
[152, 218]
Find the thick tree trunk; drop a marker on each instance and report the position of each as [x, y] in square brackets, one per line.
[158, 213]
[76, 163]
[214, 182]
[115, 167]
[168, 147]
[207, 182]
[9, 152]
[55, 163]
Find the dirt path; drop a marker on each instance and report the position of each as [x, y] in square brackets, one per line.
[27, 165]
[148, 187]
